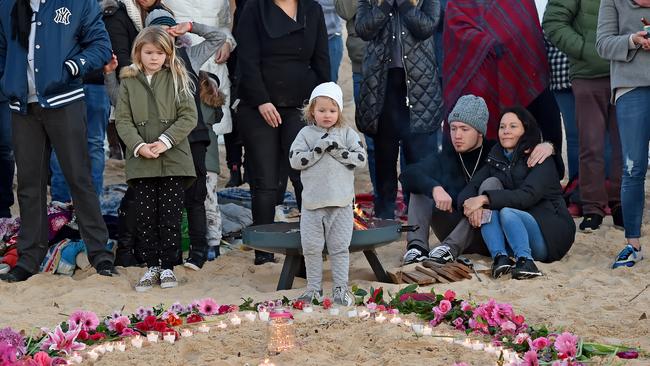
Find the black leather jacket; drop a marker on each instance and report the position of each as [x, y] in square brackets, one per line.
[413, 27]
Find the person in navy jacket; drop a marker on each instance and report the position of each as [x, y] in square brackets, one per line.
[46, 47]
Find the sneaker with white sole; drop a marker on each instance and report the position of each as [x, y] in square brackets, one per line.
[414, 255]
[628, 257]
[441, 254]
[168, 279]
[4, 268]
[525, 269]
[342, 296]
[148, 279]
[309, 296]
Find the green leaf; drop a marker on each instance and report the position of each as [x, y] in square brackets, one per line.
[407, 290]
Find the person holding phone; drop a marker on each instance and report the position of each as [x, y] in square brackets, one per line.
[529, 220]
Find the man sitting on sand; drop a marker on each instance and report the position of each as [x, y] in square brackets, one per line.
[435, 182]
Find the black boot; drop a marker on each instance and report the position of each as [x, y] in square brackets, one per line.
[125, 254]
[235, 176]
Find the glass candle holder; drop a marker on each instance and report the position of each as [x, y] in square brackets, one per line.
[281, 332]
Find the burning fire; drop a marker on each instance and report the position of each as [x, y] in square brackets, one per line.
[361, 221]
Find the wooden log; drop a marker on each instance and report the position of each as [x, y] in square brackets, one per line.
[432, 274]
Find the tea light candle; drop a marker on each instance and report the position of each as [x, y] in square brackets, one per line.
[427, 330]
[467, 343]
[136, 341]
[75, 358]
[109, 347]
[93, 355]
[380, 318]
[235, 320]
[222, 325]
[395, 320]
[204, 328]
[120, 346]
[264, 316]
[352, 313]
[308, 309]
[417, 328]
[334, 311]
[477, 346]
[186, 333]
[152, 336]
[250, 316]
[266, 362]
[169, 337]
[490, 349]
[364, 314]
[101, 349]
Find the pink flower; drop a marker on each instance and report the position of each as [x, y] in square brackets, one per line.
[128, 332]
[62, 342]
[7, 354]
[208, 306]
[371, 306]
[449, 295]
[42, 359]
[521, 338]
[118, 324]
[86, 319]
[478, 326]
[566, 345]
[530, 359]
[438, 317]
[540, 343]
[466, 306]
[458, 324]
[444, 306]
[501, 313]
[508, 327]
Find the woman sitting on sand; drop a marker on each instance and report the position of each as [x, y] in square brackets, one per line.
[527, 219]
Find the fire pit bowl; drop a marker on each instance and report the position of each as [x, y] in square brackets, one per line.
[284, 238]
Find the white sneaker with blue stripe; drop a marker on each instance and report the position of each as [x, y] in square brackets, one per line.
[628, 257]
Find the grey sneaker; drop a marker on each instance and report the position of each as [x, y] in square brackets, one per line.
[441, 254]
[168, 279]
[310, 295]
[342, 296]
[149, 278]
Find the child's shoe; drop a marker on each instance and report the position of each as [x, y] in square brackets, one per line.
[150, 278]
[628, 257]
[310, 295]
[342, 296]
[168, 279]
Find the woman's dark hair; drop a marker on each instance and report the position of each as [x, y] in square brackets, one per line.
[532, 134]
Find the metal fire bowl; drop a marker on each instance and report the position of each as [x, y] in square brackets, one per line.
[284, 238]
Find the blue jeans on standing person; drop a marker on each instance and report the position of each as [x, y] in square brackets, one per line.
[97, 111]
[6, 161]
[567, 103]
[335, 45]
[521, 231]
[633, 116]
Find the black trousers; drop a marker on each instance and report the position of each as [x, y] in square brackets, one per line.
[195, 197]
[234, 145]
[158, 212]
[267, 151]
[34, 136]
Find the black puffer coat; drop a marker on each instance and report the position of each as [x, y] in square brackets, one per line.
[413, 27]
[535, 190]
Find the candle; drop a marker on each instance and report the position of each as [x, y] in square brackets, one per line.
[334, 311]
[467, 343]
[427, 330]
[204, 328]
[120, 346]
[264, 316]
[136, 341]
[308, 309]
[109, 347]
[250, 316]
[448, 339]
[364, 314]
[169, 337]
[395, 320]
[477, 346]
[352, 313]
[186, 333]
[407, 323]
[76, 358]
[380, 318]
[101, 349]
[93, 355]
[222, 325]
[489, 349]
[417, 328]
[235, 320]
[266, 362]
[152, 336]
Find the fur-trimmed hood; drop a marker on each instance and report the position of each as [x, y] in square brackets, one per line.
[130, 71]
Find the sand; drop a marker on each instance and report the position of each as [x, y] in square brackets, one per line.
[580, 294]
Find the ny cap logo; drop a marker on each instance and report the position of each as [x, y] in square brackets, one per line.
[62, 16]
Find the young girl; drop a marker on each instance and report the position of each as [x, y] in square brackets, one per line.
[326, 153]
[154, 115]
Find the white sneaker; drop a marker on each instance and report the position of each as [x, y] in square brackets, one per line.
[149, 278]
[414, 255]
[168, 279]
[342, 296]
[441, 254]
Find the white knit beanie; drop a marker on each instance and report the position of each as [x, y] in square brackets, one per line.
[330, 90]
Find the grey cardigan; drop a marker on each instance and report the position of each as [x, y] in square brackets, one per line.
[617, 21]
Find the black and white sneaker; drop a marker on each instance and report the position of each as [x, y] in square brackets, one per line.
[414, 255]
[501, 265]
[441, 254]
[525, 269]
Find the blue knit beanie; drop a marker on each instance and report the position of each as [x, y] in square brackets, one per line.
[159, 16]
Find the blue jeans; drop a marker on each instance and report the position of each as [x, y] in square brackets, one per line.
[6, 161]
[524, 236]
[567, 103]
[335, 45]
[98, 112]
[633, 115]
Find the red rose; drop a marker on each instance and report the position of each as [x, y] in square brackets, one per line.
[224, 309]
[327, 303]
[298, 305]
[83, 335]
[381, 308]
[518, 319]
[160, 327]
[97, 336]
[119, 327]
[450, 295]
[194, 318]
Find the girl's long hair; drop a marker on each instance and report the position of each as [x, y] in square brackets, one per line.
[532, 134]
[157, 36]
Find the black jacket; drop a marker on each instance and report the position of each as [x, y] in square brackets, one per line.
[280, 60]
[535, 190]
[121, 31]
[413, 27]
[444, 169]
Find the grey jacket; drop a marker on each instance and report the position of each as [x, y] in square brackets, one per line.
[327, 159]
[347, 9]
[617, 20]
[413, 27]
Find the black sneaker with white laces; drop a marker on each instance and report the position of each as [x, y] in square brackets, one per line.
[414, 255]
[502, 265]
[591, 222]
[524, 269]
[441, 254]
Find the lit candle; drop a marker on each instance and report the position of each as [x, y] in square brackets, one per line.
[352, 313]
[152, 336]
[417, 328]
[380, 318]
[222, 325]
[467, 343]
[427, 330]
[334, 311]
[169, 337]
[76, 358]
[136, 341]
[396, 320]
[204, 328]
[101, 349]
[266, 362]
[489, 349]
[264, 316]
[120, 346]
[308, 309]
[186, 333]
[250, 316]
[477, 346]
[109, 347]
[235, 320]
[93, 355]
[364, 314]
